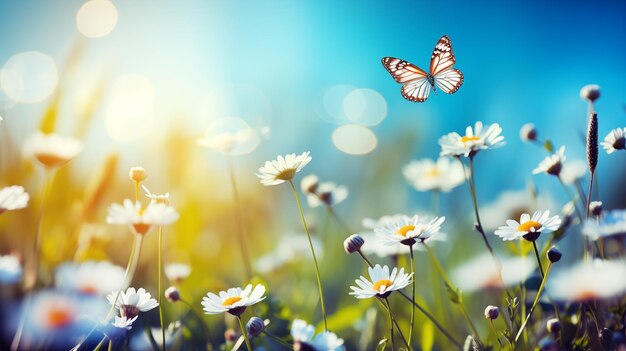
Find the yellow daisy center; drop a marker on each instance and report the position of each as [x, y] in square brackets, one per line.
[404, 230]
[382, 283]
[529, 226]
[231, 300]
[466, 138]
[433, 172]
[286, 174]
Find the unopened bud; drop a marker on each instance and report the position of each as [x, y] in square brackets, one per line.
[137, 174]
[595, 208]
[353, 243]
[255, 326]
[528, 132]
[590, 92]
[492, 312]
[554, 255]
[172, 294]
[553, 325]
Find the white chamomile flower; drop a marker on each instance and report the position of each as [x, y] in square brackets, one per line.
[327, 193]
[407, 230]
[89, 277]
[139, 219]
[52, 150]
[234, 300]
[552, 164]
[585, 281]
[375, 245]
[282, 169]
[382, 284]
[426, 175]
[511, 204]
[304, 338]
[225, 142]
[13, 198]
[131, 302]
[157, 198]
[474, 140]
[573, 171]
[529, 227]
[610, 224]
[615, 140]
[177, 272]
[123, 322]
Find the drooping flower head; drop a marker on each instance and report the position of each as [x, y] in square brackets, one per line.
[474, 140]
[615, 140]
[382, 282]
[282, 169]
[52, 150]
[552, 164]
[529, 227]
[304, 338]
[234, 300]
[327, 193]
[139, 219]
[427, 175]
[408, 230]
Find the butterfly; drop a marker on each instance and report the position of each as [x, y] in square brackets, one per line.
[416, 83]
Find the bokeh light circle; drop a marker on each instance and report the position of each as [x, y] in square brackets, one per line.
[332, 103]
[29, 77]
[96, 18]
[244, 101]
[354, 139]
[234, 131]
[365, 107]
[129, 112]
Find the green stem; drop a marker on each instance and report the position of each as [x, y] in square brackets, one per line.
[101, 343]
[341, 223]
[451, 286]
[589, 193]
[538, 258]
[245, 334]
[412, 293]
[148, 332]
[393, 340]
[238, 220]
[317, 270]
[532, 308]
[205, 327]
[495, 332]
[393, 320]
[159, 291]
[279, 340]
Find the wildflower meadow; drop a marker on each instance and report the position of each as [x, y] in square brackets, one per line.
[312, 176]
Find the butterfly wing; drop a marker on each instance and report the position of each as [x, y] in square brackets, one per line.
[442, 57]
[415, 86]
[449, 80]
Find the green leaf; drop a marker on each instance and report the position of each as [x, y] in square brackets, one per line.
[382, 345]
[453, 295]
[428, 336]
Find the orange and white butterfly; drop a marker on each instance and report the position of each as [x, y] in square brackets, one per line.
[416, 83]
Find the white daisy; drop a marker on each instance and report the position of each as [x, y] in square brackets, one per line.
[511, 204]
[552, 164]
[426, 175]
[528, 132]
[611, 223]
[123, 322]
[131, 302]
[382, 283]
[157, 198]
[474, 140]
[303, 337]
[407, 230]
[615, 140]
[10, 269]
[585, 281]
[234, 300]
[52, 150]
[327, 193]
[481, 273]
[309, 184]
[529, 227]
[375, 245]
[282, 169]
[139, 219]
[292, 247]
[13, 198]
[177, 272]
[573, 171]
[89, 277]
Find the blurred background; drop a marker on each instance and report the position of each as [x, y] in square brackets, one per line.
[140, 81]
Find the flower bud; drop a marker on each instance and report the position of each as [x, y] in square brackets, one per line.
[353, 243]
[528, 132]
[595, 208]
[255, 326]
[553, 325]
[137, 174]
[590, 92]
[172, 294]
[492, 312]
[554, 255]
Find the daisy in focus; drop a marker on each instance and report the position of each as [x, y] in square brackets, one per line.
[552, 164]
[140, 220]
[529, 227]
[89, 277]
[282, 169]
[234, 300]
[474, 140]
[408, 230]
[13, 198]
[586, 281]
[131, 302]
[427, 175]
[304, 338]
[52, 150]
[615, 140]
[382, 282]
